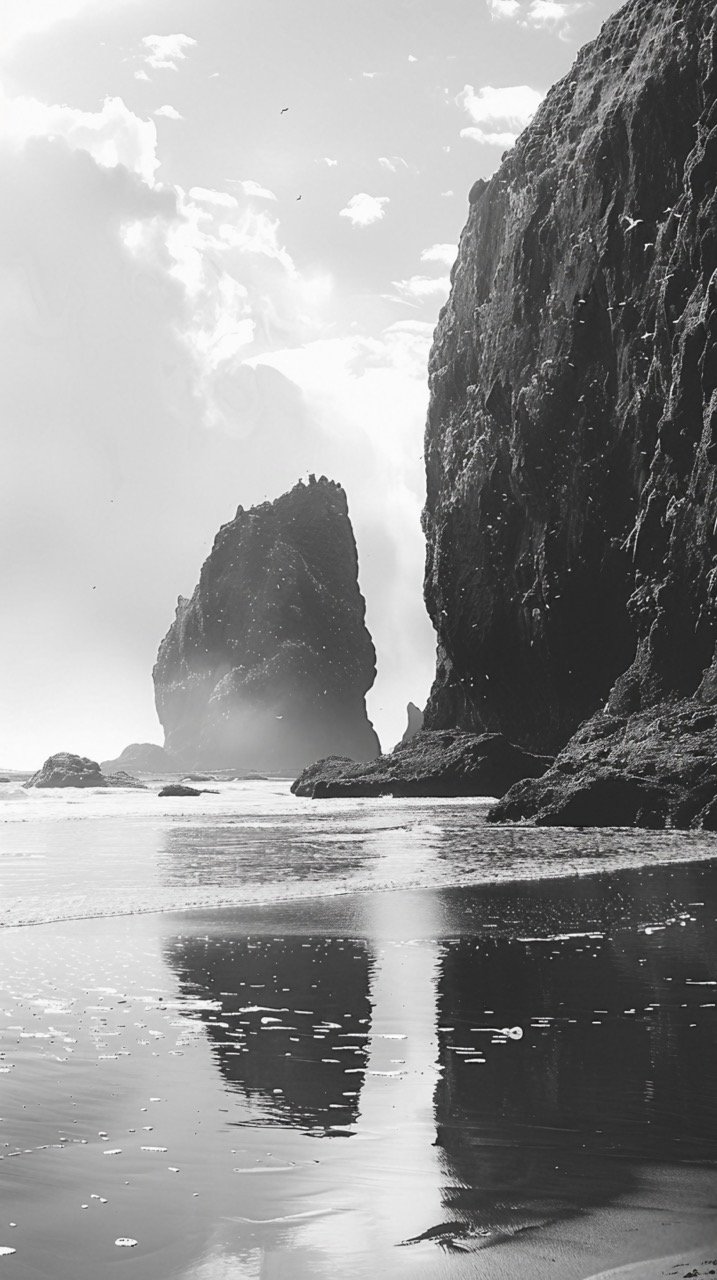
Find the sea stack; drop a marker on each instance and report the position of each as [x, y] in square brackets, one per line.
[268, 664]
[571, 444]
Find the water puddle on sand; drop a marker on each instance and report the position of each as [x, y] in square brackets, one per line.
[510, 1080]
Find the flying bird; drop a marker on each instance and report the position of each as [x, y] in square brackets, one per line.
[298, 197]
[283, 109]
[631, 223]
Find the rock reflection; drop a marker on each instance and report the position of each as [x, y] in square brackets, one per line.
[291, 1022]
[614, 1068]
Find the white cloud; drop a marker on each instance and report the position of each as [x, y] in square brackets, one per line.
[448, 193]
[544, 12]
[206, 195]
[362, 210]
[112, 136]
[499, 115]
[419, 288]
[392, 163]
[20, 18]
[503, 8]
[443, 253]
[141, 75]
[536, 13]
[166, 52]
[169, 113]
[253, 189]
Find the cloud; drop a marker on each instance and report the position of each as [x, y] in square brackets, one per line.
[112, 136]
[18, 20]
[164, 53]
[443, 253]
[362, 210]
[422, 287]
[547, 12]
[536, 13]
[392, 163]
[253, 189]
[169, 113]
[207, 195]
[499, 115]
[503, 8]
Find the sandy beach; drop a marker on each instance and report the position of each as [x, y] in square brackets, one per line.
[510, 1079]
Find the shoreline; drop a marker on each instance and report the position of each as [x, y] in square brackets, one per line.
[223, 902]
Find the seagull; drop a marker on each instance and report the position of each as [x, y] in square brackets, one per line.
[298, 197]
[283, 109]
[631, 223]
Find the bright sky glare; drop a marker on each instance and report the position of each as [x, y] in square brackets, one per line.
[228, 237]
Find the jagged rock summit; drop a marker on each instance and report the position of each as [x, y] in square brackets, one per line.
[268, 664]
[571, 445]
[414, 723]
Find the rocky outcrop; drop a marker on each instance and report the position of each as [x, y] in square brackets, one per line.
[268, 664]
[142, 757]
[178, 789]
[654, 768]
[449, 763]
[67, 770]
[414, 717]
[571, 445]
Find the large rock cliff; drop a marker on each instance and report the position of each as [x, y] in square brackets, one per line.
[571, 446]
[267, 666]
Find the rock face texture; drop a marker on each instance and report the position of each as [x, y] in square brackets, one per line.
[67, 770]
[447, 763]
[267, 666]
[142, 757]
[652, 769]
[571, 446]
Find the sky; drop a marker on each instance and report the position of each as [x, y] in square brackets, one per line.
[225, 237]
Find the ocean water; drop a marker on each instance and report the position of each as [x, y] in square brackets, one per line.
[69, 854]
[256, 1036]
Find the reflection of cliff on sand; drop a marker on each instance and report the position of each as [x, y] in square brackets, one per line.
[291, 1024]
[612, 1070]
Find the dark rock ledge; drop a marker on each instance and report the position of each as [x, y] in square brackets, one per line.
[440, 763]
[655, 768]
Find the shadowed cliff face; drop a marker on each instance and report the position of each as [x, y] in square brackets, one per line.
[571, 442]
[267, 666]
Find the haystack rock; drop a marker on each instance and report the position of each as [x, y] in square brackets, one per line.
[571, 445]
[268, 664]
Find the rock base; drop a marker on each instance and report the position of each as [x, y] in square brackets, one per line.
[655, 768]
[439, 763]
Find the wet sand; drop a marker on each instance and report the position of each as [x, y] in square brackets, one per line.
[504, 1081]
